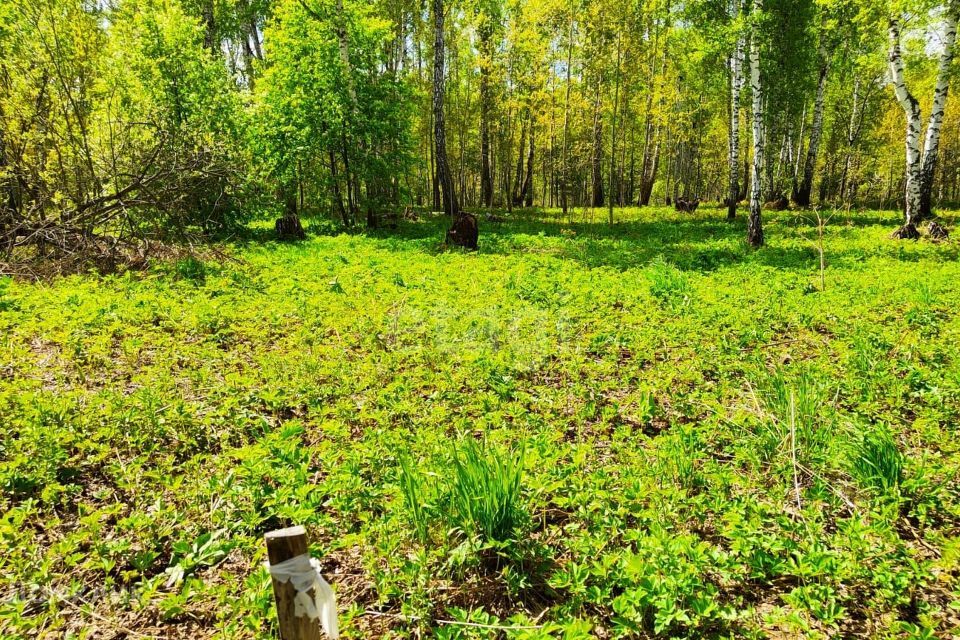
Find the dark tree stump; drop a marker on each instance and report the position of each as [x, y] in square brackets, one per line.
[780, 203]
[686, 206]
[289, 228]
[464, 232]
[906, 232]
[938, 231]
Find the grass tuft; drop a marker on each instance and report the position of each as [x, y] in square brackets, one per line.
[485, 492]
[876, 462]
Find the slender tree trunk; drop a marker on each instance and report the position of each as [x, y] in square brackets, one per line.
[350, 178]
[445, 180]
[518, 176]
[631, 180]
[526, 191]
[343, 43]
[796, 158]
[613, 135]
[255, 38]
[340, 27]
[596, 160]
[248, 56]
[565, 169]
[802, 194]
[486, 61]
[911, 109]
[851, 136]
[736, 86]
[754, 226]
[931, 144]
[335, 183]
[745, 184]
[507, 182]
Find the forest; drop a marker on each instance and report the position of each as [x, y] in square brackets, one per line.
[544, 318]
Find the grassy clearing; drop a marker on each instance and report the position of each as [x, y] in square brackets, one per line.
[580, 431]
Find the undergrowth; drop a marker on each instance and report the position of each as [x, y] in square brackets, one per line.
[582, 430]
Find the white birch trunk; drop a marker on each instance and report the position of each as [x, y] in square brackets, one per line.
[754, 226]
[344, 45]
[911, 109]
[931, 142]
[736, 86]
[802, 196]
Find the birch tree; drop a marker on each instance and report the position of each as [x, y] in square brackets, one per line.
[920, 161]
[736, 87]
[487, 17]
[754, 225]
[931, 145]
[801, 193]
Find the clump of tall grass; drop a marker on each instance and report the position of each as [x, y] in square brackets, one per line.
[485, 492]
[797, 423]
[415, 497]
[481, 494]
[876, 461]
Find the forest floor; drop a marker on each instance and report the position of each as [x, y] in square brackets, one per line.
[714, 441]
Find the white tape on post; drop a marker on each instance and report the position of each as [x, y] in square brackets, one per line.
[303, 572]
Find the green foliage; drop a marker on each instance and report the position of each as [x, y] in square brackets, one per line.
[414, 491]
[876, 461]
[6, 303]
[116, 120]
[479, 494]
[205, 551]
[190, 268]
[635, 474]
[309, 106]
[798, 420]
[668, 284]
[485, 497]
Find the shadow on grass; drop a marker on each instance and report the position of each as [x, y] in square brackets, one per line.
[704, 241]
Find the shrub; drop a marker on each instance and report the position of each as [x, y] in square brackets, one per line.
[5, 302]
[191, 269]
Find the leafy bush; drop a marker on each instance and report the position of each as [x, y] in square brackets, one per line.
[192, 269]
[5, 302]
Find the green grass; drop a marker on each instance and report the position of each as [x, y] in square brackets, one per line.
[712, 446]
[485, 493]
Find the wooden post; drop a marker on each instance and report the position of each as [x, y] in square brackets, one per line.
[282, 545]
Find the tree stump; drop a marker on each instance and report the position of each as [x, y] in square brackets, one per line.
[938, 231]
[780, 203]
[289, 228]
[464, 232]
